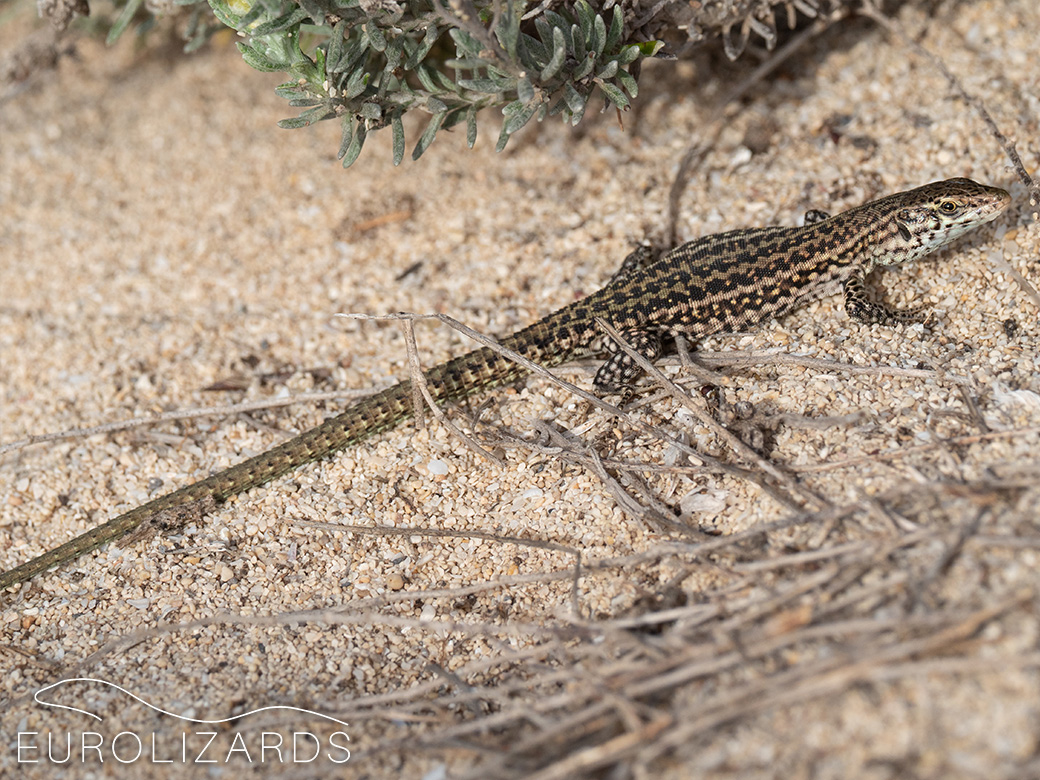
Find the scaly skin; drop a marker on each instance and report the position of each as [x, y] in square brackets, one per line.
[714, 284]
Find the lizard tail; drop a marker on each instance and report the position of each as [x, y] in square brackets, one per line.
[463, 376]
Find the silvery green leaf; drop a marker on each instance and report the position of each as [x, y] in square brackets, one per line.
[487, 86]
[221, 10]
[617, 24]
[471, 126]
[585, 18]
[346, 136]
[350, 54]
[532, 51]
[559, 52]
[609, 71]
[628, 82]
[258, 61]
[354, 149]
[578, 43]
[292, 123]
[544, 29]
[428, 134]
[508, 31]
[556, 20]
[465, 44]
[615, 95]
[306, 118]
[519, 118]
[375, 36]
[584, 68]
[575, 100]
[599, 35]
[432, 33]
[525, 90]
[397, 129]
[628, 54]
[283, 22]
[426, 78]
[357, 84]
[335, 49]
[126, 15]
[446, 83]
[493, 71]
[560, 23]
[512, 108]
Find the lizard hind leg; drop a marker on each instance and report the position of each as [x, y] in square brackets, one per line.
[621, 370]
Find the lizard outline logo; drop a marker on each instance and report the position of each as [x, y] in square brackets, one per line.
[204, 721]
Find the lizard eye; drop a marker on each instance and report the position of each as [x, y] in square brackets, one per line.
[948, 206]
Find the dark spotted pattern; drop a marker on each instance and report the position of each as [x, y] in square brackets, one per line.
[717, 283]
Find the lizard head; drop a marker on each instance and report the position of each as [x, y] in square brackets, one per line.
[932, 216]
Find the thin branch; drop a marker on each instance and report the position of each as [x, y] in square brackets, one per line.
[419, 384]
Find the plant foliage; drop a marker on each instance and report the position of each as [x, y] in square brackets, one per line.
[368, 62]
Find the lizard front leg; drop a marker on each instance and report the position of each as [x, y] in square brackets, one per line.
[860, 307]
[640, 257]
[812, 216]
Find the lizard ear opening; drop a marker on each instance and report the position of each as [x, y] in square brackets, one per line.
[904, 231]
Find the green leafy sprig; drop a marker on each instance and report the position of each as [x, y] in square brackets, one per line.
[368, 62]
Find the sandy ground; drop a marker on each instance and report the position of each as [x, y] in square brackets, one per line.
[159, 234]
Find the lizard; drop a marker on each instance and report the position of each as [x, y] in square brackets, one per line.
[714, 284]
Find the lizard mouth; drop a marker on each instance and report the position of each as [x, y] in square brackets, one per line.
[1001, 200]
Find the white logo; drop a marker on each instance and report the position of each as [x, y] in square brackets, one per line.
[237, 745]
[98, 718]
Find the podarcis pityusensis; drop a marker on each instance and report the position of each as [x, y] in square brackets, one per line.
[714, 284]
